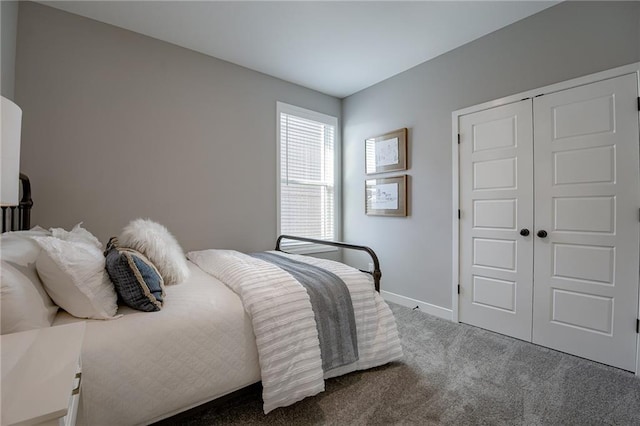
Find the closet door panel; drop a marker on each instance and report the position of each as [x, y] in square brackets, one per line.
[587, 195]
[496, 201]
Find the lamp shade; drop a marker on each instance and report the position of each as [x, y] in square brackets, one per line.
[10, 152]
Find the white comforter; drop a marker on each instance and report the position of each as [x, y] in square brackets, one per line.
[149, 365]
[284, 325]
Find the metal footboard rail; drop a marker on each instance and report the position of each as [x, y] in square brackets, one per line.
[376, 273]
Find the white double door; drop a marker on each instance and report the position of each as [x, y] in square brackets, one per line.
[549, 231]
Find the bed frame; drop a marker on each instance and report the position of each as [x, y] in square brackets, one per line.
[376, 273]
[19, 220]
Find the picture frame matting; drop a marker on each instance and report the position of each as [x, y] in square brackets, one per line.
[386, 196]
[386, 153]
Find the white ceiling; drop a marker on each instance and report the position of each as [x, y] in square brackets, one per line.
[335, 47]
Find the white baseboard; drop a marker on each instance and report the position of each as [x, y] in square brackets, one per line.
[434, 310]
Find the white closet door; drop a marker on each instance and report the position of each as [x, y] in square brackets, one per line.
[587, 199]
[496, 201]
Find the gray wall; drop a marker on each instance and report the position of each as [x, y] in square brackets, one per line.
[8, 30]
[566, 41]
[117, 126]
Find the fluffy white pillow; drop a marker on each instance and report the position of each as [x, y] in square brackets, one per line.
[74, 276]
[159, 246]
[24, 304]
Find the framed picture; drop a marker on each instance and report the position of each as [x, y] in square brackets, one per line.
[386, 153]
[386, 196]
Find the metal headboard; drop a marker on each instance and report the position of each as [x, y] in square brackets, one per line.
[18, 218]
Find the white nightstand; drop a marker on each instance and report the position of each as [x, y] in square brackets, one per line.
[41, 375]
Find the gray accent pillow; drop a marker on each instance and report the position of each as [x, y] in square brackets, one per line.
[137, 281]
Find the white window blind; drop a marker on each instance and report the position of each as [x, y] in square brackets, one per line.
[307, 173]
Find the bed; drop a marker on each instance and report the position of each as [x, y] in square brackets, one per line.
[208, 339]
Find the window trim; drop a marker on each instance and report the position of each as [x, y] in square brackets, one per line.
[307, 248]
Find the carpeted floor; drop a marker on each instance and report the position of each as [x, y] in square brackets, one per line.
[454, 374]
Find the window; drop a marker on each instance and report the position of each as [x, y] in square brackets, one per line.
[308, 165]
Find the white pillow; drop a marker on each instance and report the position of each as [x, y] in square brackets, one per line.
[74, 276]
[159, 246]
[77, 235]
[24, 304]
[18, 247]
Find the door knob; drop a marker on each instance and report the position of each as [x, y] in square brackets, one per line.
[542, 233]
[524, 232]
